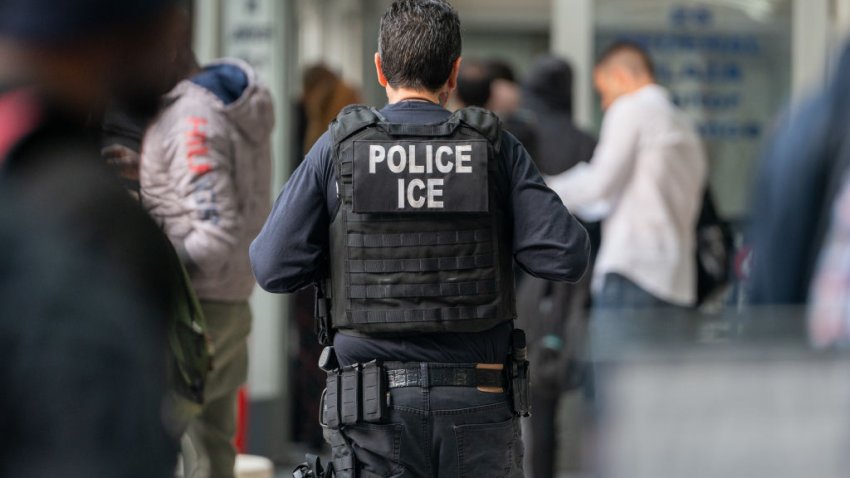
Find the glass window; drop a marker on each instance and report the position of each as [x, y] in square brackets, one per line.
[727, 63]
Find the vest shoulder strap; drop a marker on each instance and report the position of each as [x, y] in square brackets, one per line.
[353, 119]
[484, 121]
[356, 118]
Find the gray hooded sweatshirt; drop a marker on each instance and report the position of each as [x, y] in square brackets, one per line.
[206, 172]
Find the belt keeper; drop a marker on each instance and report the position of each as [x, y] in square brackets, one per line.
[424, 375]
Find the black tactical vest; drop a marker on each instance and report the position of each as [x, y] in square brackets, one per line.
[421, 241]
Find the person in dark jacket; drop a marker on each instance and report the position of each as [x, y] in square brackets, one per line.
[548, 93]
[799, 177]
[62, 63]
[474, 83]
[81, 358]
[554, 314]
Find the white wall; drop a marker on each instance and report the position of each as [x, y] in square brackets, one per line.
[812, 35]
[504, 14]
[572, 38]
[331, 32]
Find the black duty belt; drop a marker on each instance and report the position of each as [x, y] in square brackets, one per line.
[360, 392]
[480, 376]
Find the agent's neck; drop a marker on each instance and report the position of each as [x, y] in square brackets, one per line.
[396, 95]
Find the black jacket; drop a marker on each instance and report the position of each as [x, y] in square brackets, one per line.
[547, 93]
[293, 245]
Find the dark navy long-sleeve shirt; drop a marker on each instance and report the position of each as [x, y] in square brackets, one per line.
[291, 249]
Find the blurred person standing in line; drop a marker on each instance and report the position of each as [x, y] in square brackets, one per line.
[548, 94]
[324, 95]
[205, 175]
[506, 101]
[61, 63]
[505, 91]
[190, 354]
[479, 84]
[801, 213]
[554, 314]
[645, 182]
[799, 180]
[474, 84]
[80, 358]
[551, 313]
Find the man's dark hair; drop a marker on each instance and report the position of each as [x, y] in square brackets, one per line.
[632, 50]
[474, 83]
[502, 70]
[419, 42]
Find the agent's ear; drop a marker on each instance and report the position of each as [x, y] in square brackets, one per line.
[379, 69]
[452, 83]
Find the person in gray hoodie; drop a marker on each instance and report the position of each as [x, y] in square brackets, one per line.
[205, 175]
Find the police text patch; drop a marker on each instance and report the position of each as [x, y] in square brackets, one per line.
[420, 176]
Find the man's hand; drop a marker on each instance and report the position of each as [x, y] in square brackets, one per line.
[123, 160]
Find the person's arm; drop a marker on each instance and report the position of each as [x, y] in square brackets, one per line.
[788, 204]
[200, 165]
[288, 253]
[589, 188]
[549, 242]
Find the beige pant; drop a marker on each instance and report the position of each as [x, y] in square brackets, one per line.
[208, 450]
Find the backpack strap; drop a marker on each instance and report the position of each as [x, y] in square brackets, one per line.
[20, 114]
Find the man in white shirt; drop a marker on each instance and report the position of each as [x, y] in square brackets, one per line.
[646, 182]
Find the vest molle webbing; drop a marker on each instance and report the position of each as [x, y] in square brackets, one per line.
[420, 242]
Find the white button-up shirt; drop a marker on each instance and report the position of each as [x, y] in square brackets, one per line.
[646, 182]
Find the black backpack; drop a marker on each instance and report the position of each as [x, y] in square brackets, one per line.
[714, 251]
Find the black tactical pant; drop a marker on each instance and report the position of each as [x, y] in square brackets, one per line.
[440, 432]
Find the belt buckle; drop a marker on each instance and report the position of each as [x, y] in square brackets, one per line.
[490, 366]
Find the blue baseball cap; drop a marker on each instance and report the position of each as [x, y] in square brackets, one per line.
[53, 21]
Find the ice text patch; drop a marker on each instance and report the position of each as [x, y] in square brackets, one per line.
[420, 176]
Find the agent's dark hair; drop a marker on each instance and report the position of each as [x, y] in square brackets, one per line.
[634, 51]
[419, 42]
[474, 83]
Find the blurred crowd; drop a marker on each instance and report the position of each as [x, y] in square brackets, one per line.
[134, 180]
